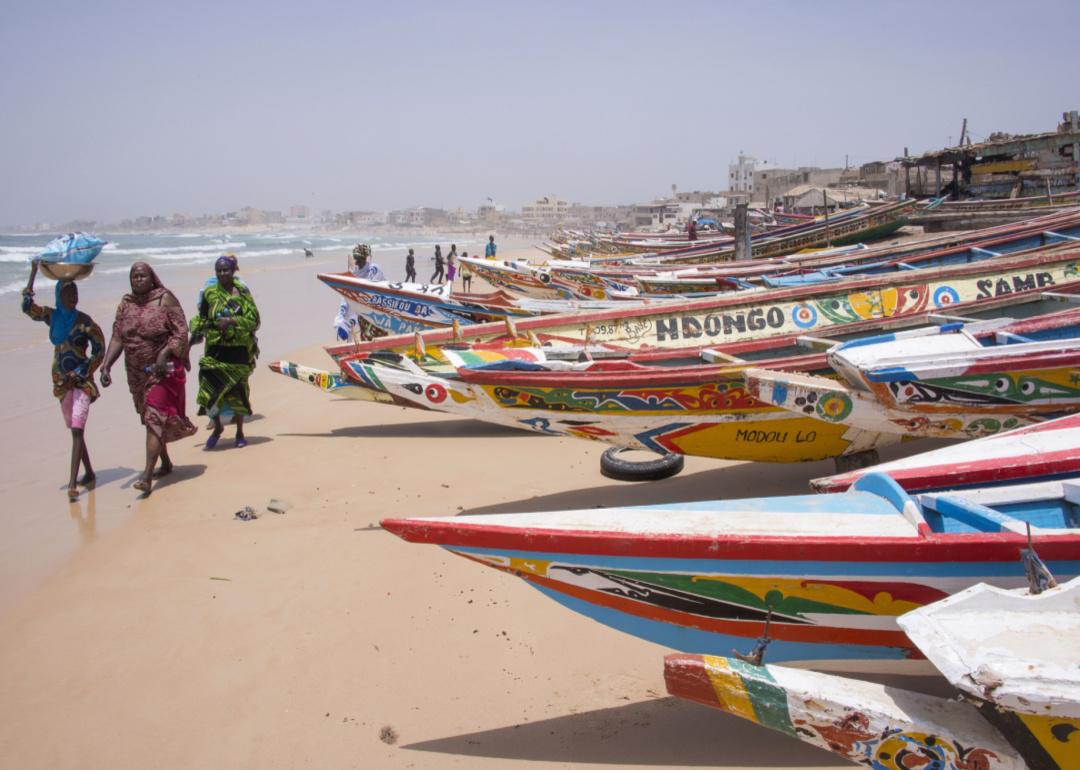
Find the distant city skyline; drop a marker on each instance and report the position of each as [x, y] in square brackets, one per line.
[135, 109]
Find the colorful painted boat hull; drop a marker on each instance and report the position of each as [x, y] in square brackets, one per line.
[830, 573]
[703, 417]
[404, 308]
[869, 724]
[942, 382]
[755, 316]
[329, 383]
[1011, 654]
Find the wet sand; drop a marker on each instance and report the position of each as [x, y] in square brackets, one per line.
[166, 633]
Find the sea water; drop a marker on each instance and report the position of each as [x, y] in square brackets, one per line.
[184, 261]
[166, 251]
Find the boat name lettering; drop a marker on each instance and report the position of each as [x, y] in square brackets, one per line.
[401, 305]
[714, 325]
[762, 436]
[803, 438]
[989, 287]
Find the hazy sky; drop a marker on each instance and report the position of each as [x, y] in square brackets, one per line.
[117, 109]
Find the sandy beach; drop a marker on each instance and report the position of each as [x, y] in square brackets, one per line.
[166, 633]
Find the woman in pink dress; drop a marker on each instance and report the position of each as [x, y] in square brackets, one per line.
[151, 331]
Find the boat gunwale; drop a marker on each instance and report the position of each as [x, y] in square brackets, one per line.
[930, 547]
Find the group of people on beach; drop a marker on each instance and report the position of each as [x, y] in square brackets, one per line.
[154, 335]
[446, 268]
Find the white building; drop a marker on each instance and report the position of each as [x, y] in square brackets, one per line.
[741, 173]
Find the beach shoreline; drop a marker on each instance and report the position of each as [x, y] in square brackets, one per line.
[166, 633]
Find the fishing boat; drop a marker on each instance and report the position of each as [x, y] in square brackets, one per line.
[1012, 655]
[405, 308]
[951, 381]
[1047, 451]
[585, 280]
[829, 573]
[670, 401]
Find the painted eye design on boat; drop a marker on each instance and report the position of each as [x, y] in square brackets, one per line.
[1002, 384]
[1027, 387]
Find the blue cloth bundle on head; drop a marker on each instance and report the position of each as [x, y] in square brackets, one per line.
[62, 319]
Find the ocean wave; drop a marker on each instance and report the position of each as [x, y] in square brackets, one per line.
[163, 252]
[11, 288]
[18, 253]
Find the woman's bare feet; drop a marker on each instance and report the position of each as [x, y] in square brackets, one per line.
[144, 485]
[73, 492]
[164, 470]
[88, 479]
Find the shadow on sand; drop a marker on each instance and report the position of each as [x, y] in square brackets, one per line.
[748, 479]
[433, 429]
[228, 441]
[108, 475]
[180, 473]
[664, 731]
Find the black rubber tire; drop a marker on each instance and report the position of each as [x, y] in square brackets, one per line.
[614, 467]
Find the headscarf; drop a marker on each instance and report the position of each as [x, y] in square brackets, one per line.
[156, 287]
[62, 319]
[230, 259]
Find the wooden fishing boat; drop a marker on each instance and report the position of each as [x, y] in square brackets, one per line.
[830, 573]
[737, 317]
[666, 405]
[585, 279]
[698, 410]
[821, 265]
[1049, 450]
[952, 381]
[404, 308]
[867, 225]
[1011, 654]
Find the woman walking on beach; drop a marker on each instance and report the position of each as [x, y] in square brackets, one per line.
[227, 318]
[70, 332]
[151, 331]
[410, 267]
[437, 276]
[451, 264]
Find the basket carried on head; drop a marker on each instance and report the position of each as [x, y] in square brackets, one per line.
[70, 257]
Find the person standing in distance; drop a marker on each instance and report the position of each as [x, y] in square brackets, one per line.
[489, 250]
[438, 275]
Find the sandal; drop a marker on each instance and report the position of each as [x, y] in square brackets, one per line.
[241, 442]
[73, 494]
[143, 486]
[212, 441]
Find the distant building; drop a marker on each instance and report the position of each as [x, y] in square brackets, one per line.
[547, 210]
[413, 217]
[812, 199]
[773, 183]
[741, 173]
[1004, 166]
[360, 219]
[299, 212]
[657, 213]
[490, 211]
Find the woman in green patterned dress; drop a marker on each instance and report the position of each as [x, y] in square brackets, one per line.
[228, 319]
